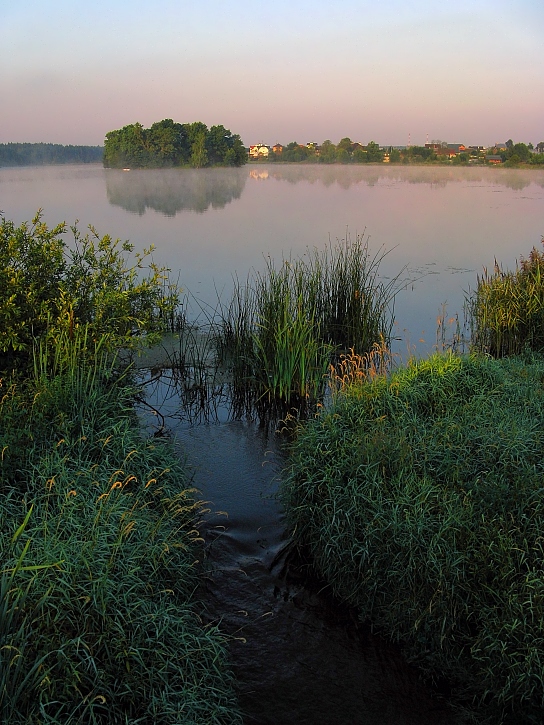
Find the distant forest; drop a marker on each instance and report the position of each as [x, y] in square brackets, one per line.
[168, 144]
[39, 154]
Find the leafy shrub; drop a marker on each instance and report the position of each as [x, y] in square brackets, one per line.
[420, 499]
[48, 286]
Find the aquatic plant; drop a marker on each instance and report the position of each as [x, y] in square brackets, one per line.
[285, 325]
[419, 497]
[507, 308]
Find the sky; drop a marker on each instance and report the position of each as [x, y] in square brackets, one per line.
[393, 71]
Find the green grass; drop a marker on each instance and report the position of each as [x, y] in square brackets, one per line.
[100, 623]
[419, 496]
[507, 308]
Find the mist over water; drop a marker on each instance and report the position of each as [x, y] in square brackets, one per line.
[439, 226]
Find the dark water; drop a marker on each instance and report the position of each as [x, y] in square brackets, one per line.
[298, 656]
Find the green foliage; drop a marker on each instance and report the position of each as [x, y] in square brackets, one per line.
[99, 622]
[283, 328]
[168, 144]
[47, 286]
[507, 308]
[419, 496]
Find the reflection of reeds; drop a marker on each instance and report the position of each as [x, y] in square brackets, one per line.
[507, 308]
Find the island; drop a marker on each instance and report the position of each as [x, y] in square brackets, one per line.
[168, 144]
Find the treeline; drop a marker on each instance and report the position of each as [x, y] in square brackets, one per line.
[39, 154]
[352, 152]
[345, 152]
[167, 144]
[519, 153]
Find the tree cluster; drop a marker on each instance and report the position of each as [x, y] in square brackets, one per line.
[167, 144]
[40, 154]
[518, 153]
[345, 152]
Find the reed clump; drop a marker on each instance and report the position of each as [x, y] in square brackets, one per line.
[284, 326]
[507, 308]
[419, 496]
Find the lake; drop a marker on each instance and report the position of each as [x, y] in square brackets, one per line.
[439, 226]
[297, 656]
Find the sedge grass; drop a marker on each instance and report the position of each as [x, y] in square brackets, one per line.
[105, 599]
[507, 308]
[419, 496]
[285, 325]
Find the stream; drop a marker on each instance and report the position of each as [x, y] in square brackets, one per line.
[298, 656]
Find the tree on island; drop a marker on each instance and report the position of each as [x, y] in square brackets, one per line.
[168, 144]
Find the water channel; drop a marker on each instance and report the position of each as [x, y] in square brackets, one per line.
[298, 656]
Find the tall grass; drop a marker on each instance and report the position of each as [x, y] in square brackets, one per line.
[419, 495]
[104, 602]
[285, 325]
[507, 308]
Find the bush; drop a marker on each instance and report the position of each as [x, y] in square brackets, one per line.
[420, 499]
[47, 287]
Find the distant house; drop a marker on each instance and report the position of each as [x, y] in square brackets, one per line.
[451, 153]
[493, 159]
[259, 151]
[277, 148]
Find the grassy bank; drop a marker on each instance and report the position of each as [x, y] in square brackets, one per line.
[419, 497]
[99, 582]
[98, 527]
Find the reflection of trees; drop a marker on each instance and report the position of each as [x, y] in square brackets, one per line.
[170, 191]
[370, 175]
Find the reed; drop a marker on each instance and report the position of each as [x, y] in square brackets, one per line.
[507, 308]
[285, 325]
[418, 494]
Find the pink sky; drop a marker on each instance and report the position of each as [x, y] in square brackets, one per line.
[468, 72]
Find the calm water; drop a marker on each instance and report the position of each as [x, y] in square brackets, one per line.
[442, 225]
[297, 657]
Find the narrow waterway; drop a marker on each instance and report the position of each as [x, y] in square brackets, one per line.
[298, 656]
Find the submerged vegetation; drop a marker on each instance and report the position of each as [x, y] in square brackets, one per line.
[99, 540]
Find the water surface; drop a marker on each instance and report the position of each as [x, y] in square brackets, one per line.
[442, 224]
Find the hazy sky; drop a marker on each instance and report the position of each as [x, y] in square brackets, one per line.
[469, 71]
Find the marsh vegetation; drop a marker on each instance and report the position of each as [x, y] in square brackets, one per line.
[415, 488]
[99, 536]
[417, 492]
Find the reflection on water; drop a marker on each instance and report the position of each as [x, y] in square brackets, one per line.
[442, 224]
[170, 191]
[347, 176]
